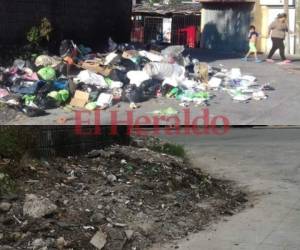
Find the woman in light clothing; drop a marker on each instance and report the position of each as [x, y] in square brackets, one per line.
[277, 31]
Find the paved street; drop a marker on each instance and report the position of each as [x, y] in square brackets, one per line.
[267, 164]
[281, 108]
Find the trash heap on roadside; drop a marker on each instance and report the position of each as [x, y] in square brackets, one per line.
[81, 79]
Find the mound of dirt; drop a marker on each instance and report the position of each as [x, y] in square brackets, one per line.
[123, 197]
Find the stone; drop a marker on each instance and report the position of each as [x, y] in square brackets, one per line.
[15, 236]
[38, 207]
[61, 243]
[38, 244]
[98, 218]
[99, 240]
[129, 234]
[111, 178]
[5, 206]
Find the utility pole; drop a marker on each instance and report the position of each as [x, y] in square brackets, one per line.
[286, 11]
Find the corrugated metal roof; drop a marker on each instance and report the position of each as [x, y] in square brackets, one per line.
[163, 9]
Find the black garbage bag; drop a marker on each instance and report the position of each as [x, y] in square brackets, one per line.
[43, 101]
[33, 112]
[119, 76]
[143, 61]
[131, 93]
[45, 89]
[6, 79]
[86, 87]
[128, 65]
[146, 91]
[47, 102]
[150, 88]
[165, 89]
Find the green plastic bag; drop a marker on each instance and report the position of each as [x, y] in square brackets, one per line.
[60, 96]
[28, 99]
[64, 95]
[91, 106]
[108, 81]
[202, 95]
[166, 112]
[54, 95]
[47, 74]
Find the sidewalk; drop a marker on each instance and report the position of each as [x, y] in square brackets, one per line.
[266, 162]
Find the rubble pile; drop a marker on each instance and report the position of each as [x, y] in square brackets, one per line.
[82, 79]
[121, 197]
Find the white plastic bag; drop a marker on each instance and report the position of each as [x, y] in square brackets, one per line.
[214, 82]
[89, 77]
[110, 57]
[104, 100]
[235, 73]
[164, 70]
[137, 77]
[189, 84]
[151, 56]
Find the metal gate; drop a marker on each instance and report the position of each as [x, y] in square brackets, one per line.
[153, 29]
[54, 141]
[226, 26]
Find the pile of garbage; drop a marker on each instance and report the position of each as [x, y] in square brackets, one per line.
[81, 78]
[117, 198]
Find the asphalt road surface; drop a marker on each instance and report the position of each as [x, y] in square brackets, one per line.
[266, 163]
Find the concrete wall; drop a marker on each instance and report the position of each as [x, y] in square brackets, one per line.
[260, 20]
[225, 26]
[90, 22]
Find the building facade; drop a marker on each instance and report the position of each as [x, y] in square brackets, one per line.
[265, 12]
[225, 23]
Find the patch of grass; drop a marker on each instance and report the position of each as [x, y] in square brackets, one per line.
[2, 106]
[170, 149]
[15, 144]
[7, 185]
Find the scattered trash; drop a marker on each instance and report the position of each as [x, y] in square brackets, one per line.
[99, 240]
[80, 99]
[165, 112]
[88, 80]
[104, 100]
[214, 82]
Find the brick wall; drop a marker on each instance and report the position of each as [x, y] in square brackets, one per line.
[90, 22]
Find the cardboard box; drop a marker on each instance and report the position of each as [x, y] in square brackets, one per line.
[80, 99]
[128, 54]
[96, 68]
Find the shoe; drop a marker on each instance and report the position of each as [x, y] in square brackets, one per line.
[258, 61]
[284, 62]
[287, 61]
[245, 59]
[270, 60]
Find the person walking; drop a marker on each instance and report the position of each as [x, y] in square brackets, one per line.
[253, 36]
[277, 32]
